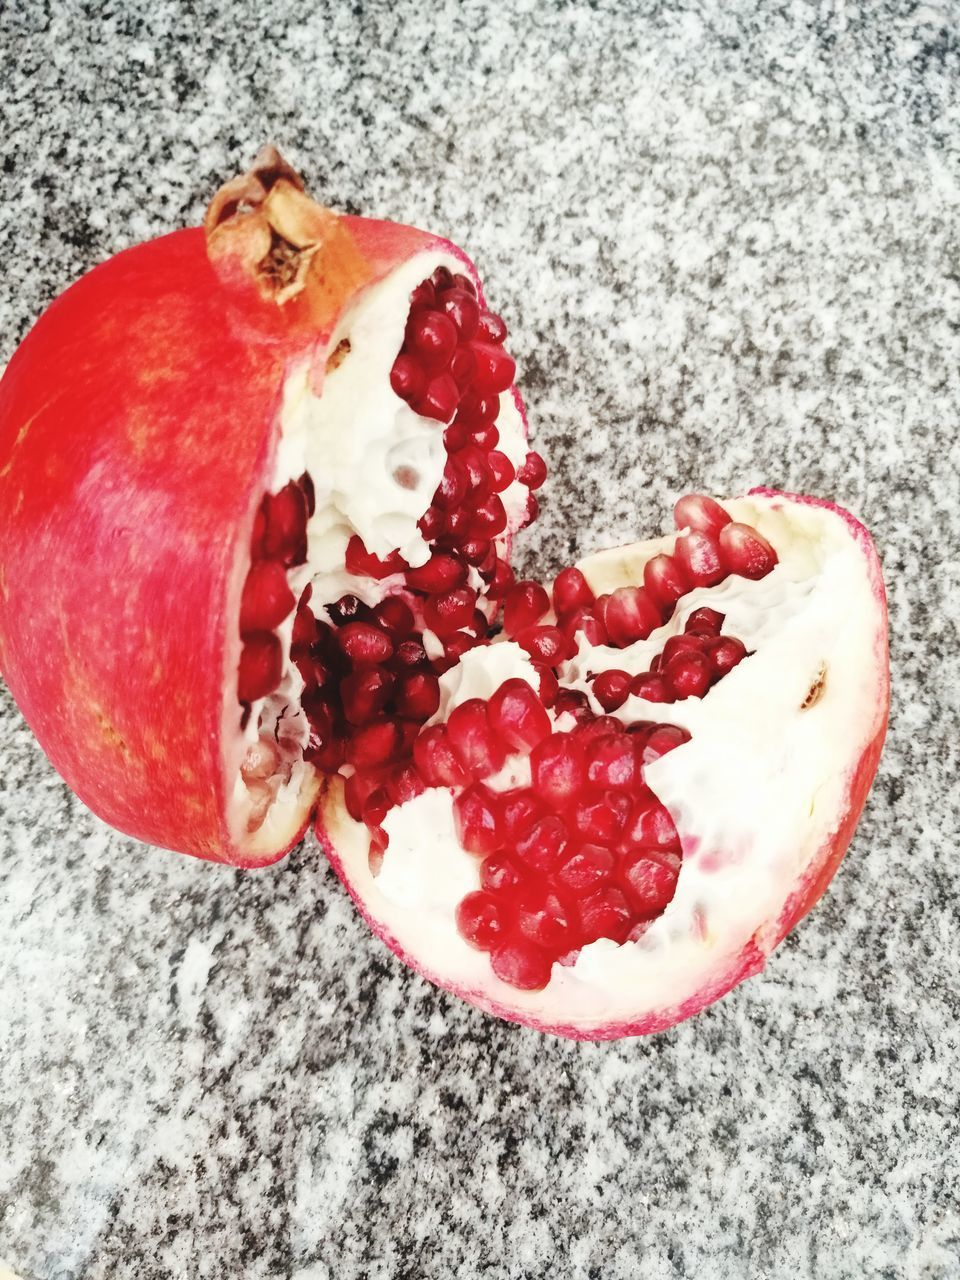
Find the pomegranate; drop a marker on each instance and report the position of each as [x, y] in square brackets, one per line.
[605, 852]
[257, 485]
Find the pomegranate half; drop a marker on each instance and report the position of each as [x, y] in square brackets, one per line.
[605, 852]
[257, 483]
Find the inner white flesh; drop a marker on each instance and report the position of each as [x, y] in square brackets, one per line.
[375, 466]
[755, 794]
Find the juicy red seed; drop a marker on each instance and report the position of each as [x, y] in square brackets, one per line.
[261, 666]
[346, 609]
[558, 770]
[746, 552]
[501, 874]
[285, 537]
[417, 695]
[442, 279]
[479, 625]
[476, 815]
[518, 716]
[395, 615]
[573, 703]
[665, 581]
[501, 470]
[650, 879]
[543, 846]
[464, 282]
[432, 336]
[361, 561]
[605, 914]
[481, 920]
[356, 790]
[520, 810]
[304, 624]
[653, 688]
[489, 517]
[610, 688]
[473, 738]
[407, 377]
[544, 644]
[495, 368]
[454, 647]
[452, 488]
[454, 437]
[697, 511]
[571, 592]
[544, 920]
[628, 614]
[450, 611]
[476, 551]
[476, 409]
[549, 685]
[440, 398]
[585, 623]
[686, 642]
[424, 295]
[267, 598]
[375, 806]
[524, 604]
[689, 675]
[442, 572]
[365, 643]
[404, 783]
[492, 327]
[486, 438]
[704, 622]
[521, 965]
[663, 739]
[463, 310]
[373, 744]
[438, 763]
[410, 654]
[598, 727]
[724, 652]
[457, 527]
[612, 762]
[463, 365]
[601, 818]
[699, 554]
[589, 868]
[365, 693]
[502, 580]
[533, 472]
[430, 523]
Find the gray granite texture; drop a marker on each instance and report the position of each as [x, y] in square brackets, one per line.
[724, 237]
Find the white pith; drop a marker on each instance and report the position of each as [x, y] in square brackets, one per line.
[353, 439]
[755, 794]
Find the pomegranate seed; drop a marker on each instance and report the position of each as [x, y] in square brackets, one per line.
[501, 471]
[464, 282]
[531, 512]
[432, 336]
[463, 310]
[502, 580]
[455, 436]
[501, 874]
[605, 914]
[404, 783]
[521, 965]
[689, 675]
[492, 327]
[697, 511]
[587, 624]
[476, 551]
[362, 562]
[650, 879]
[480, 919]
[407, 377]
[610, 688]
[438, 763]
[373, 744]
[450, 611]
[430, 523]
[479, 625]
[440, 399]
[376, 806]
[261, 761]
[704, 622]
[520, 810]
[518, 716]
[423, 295]
[365, 643]
[410, 655]
[453, 486]
[663, 739]
[543, 847]
[652, 687]
[533, 472]
[489, 517]
[473, 739]
[746, 552]
[699, 555]
[524, 604]
[544, 644]
[463, 365]
[267, 598]
[442, 572]
[558, 769]
[457, 526]
[612, 762]
[455, 646]
[589, 868]
[304, 624]
[573, 703]
[365, 693]
[724, 652]
[628, 615]
[571, 592]
[664, 581]
[417, 695]
[476, 470]
[476, 815]
[543, 920]
[285, 537]
[261, 666]
[395, 615]
[686, 642]
[486, 438]
[597, 727]
[356, 790]
[346, 609]
[549, 685]
[477, 409]
[495, 368]
[601, 819]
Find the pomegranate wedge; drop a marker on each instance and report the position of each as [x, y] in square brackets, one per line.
[604, 845]
[257, 483]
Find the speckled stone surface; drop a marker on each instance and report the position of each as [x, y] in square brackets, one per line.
[726, 246]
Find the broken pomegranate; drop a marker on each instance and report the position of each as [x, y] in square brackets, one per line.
[576, 855]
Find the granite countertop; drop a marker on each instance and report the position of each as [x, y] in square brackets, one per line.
[726, 248]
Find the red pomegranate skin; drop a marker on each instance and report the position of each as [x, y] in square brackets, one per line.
[139, 421]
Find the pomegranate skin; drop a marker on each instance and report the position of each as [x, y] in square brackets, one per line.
[139, 424]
